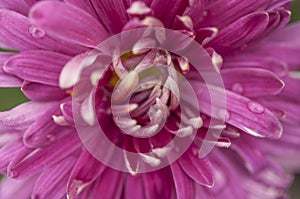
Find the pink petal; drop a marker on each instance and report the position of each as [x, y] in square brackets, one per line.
[69, 23]
[183, 184]
[52, 182]
[37, 66]
[19, 34]
[7, 80]
[255, 82]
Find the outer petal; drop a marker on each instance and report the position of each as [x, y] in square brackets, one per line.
[19, 6]
[184, 186]
[107, 10]
[17, 189]
[42, 92]
[240, 32]
[52, 182]
[254, 82]
[37, 66]
[247, 115]
[19, 34]
[198, 169]
[83, 174]
[7, 80]
[69, 23]
[134, 187]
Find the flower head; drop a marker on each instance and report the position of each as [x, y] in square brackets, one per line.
[137, 100]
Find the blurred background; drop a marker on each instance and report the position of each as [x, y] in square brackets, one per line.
[11, 97]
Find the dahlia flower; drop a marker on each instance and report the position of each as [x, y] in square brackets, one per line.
[149, 99]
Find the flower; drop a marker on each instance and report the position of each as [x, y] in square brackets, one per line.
[74, 83]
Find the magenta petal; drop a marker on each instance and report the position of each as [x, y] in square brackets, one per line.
[222, 13]
[8, 152]
[19, 34]
[42, 92]
[134, 187]
[21, 117]
[183, 184]
[16, 189]
[42, 158]
[251, 153]
[52, 182]
[37, 66]
[241, 31]
[19, 6]
[198, 169]
[106, 10]
[69, 23]
[7, 80]
[243, 113]
[44, 130]
[87, 6]
[255, 82]
[83, 173]
[109, 185]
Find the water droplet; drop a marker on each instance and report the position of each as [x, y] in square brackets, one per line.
[255, 107]
[237, 88]
[224, 114]
[36, 32]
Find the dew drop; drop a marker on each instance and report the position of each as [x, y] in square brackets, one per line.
[255, 107]
[224, 114]
[36, 32]
[237, 88]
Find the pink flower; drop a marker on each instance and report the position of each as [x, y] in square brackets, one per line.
[48, 144]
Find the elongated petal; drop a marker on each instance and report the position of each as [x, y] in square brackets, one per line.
[21, 117]
[184, 186]
[83, 173]
[109, 185]
[52, 182]
[19, 34]
[42, 92]
[231, 11]
[240, 32]
[198, 169]
[16, 5]
[134, 184]
[255, 82]
[17, 189]
[107, 10]
[247, 115]
[7, 80]
[37, 66]
[69, 23]
[43, 158]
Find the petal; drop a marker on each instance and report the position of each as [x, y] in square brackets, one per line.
[7, 80]
[252, 154]
[255, 82]
[44, 130]
[83, 174]
[69, 23]
[198, 169]
[107, 10]
[41, 92]
[17, 189]
[184, 186]
[19, 6]
[52, 182]
[247, 115]
[37, 66]
[134, 188]
[109, 185]
[8, 152]
[222, 13]
[19, 34]
[42, 158]
[240, 32]
[159, 12]
[21, 117]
